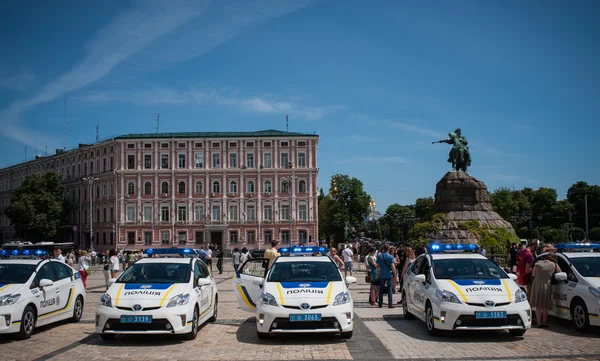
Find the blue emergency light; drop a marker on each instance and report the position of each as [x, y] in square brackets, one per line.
[24, 253]
[578, 247]
[302, 250]
[454, 248]
[169, 251]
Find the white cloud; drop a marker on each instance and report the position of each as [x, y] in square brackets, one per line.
[416, 129]
[18, 81]
[363, 159]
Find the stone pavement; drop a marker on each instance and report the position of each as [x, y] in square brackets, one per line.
[379, 334]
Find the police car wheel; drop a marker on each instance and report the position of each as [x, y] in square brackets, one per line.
[346, 335]
[77, 309]
[214, 316]
[27, 323]
[516, 333]
[262, 335]
[107, 336]
[579, 314]
[430, 322]
[407, 315]
[194, 332]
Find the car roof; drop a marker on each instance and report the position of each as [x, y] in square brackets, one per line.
[21, 261]
[581, 254]
[303, 259]
[165, 260]
[456, 256]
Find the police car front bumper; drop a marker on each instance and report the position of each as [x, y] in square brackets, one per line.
[174, 320]
[10, 319]
[276, 319]
[453, 316]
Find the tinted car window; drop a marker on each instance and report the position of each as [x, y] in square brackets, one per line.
[61, 270]
[587, 266]
[304, 272]
[156, 273]
[15, 273]
[467, 269]
[45, 272]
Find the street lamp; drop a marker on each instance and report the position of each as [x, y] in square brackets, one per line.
[288, 181]
[90, 180]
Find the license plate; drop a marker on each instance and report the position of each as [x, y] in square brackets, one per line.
[306, 317]
[136, 319]
[491, 314]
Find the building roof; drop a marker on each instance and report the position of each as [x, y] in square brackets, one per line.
[269, 133]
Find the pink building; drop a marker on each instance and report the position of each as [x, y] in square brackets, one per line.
[233, 189]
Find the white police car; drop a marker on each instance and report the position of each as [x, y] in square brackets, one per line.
[36, 292]
[159, 295]
[301, 293]
[453, 290]
[577, 295]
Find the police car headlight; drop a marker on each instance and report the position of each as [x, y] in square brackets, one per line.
[446, 296]
[520, 296]
[341, 298]
[268, 299]
[106, 301]
[9, 299]
[595, 292]
[179, 300]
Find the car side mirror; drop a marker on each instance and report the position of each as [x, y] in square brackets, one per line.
[202, 282]
[258, 282]
[350, 280]
[45, 283]
[420, 278]
[561, 276]
[512, 276]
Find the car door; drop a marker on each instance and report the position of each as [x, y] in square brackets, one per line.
[412, 284]
[46, 297]
[419, 291]
[247, 283]
[65, 284]
[206, 291]
[562, 293]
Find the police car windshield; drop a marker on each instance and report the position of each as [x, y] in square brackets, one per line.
[304, 272]
[587, 266]
[15, 273]
[467, 269]
[156, 273]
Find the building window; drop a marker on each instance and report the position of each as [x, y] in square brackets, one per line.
[130, 188]
[267, 162]
[285, 237]
[198, 213]
[268, 187]
[302, 238]
[181, 145]
[233, 212]
[130, 162]
[98, 216]
[268, 213]
[164, 213]
[216, 145]
[250, 212]
[104, 219]
[130, 237]
[250, 186]
[233, 187]
[164, 145]
[198, 161]
[146, 145]
[181, 188]
[164, 161]
[147, 161]
[199, 188]
[181, 161]
[250, 160]
[130, 146]
[216, 160]
[147, 188]
[216, 213]
[147, 238]
[232, 160]
[164, 237]
[147, 213]
[198, 145]
[112, 239]
[268, 236]
[92, 167]
[301, 144]
[112, 215]
[182, 237]
[112, 189]
[251, 237]
[266, 144]
[302, 159]
[130, 213]
[285, 212]
[233, 237]
[284, 143]
[285, 186]
[181, 213]
[103, 237]
[199, 237]
[302, 212]
[164, 188]
[249, 144]
[284, 160]
[103, 190]
[302, 186]
[216, 187]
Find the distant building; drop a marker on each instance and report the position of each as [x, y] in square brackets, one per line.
[233, 189]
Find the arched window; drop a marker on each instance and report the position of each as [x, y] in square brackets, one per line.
[268, 187]
[199, 188]
[164, 188]
[130, 188]
[216, 187]
[233, 187]
[147, 188]
[302, 186]
[250, 187]
[285, 186]
[181, 187]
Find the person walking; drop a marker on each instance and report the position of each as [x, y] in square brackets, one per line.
[270, 255]
[386, 271]
[372, 275]
[114, 264]
[236, 259]
[106, 269]
[394, 254]
[410, 258]
[541, 288]
[219, 260]
[84, 266]
[512, 256]
[209, 254]
[348, 257]
[245, 256]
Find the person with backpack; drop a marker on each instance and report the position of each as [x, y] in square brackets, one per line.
[525, 261]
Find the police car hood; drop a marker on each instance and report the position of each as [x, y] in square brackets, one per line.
[296, 293]
[9, 289]
[481, 290]
[145, 294]
[594, 281]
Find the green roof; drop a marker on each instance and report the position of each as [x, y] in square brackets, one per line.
[260, 133]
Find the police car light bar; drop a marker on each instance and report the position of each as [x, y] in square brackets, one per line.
[452, 248]
[578, 247]
[302, 250]
[23, 253]
[170, 252]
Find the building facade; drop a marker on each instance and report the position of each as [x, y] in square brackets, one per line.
[137, 191]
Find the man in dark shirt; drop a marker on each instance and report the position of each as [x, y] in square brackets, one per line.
[512, 254]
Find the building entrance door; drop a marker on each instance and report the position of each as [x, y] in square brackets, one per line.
[216, 237]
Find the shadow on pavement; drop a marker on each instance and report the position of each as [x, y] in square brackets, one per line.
[566, 327]
[246, 333]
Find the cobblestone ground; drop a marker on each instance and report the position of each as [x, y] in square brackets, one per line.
[380, 334]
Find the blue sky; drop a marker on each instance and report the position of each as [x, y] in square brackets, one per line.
[377, 81]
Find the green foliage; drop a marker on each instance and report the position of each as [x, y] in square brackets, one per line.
[493, 240]
[423, 206]
[577, 234]
[553, 235]
[594, 234]
[420, 233]
[37, 207]
[576, 196]
[535, 234]
[394, 221]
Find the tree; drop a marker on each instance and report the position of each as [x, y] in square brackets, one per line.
[512, 205]
[577, 234]
[37, 207]
[576, 196]
[394, 219]
[595, 234]
[423, 206]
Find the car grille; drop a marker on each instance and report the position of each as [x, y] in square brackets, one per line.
[156, 325]
[311, 308]
[286, 324]
[483, 305]
[470, 320]
[143, 309]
